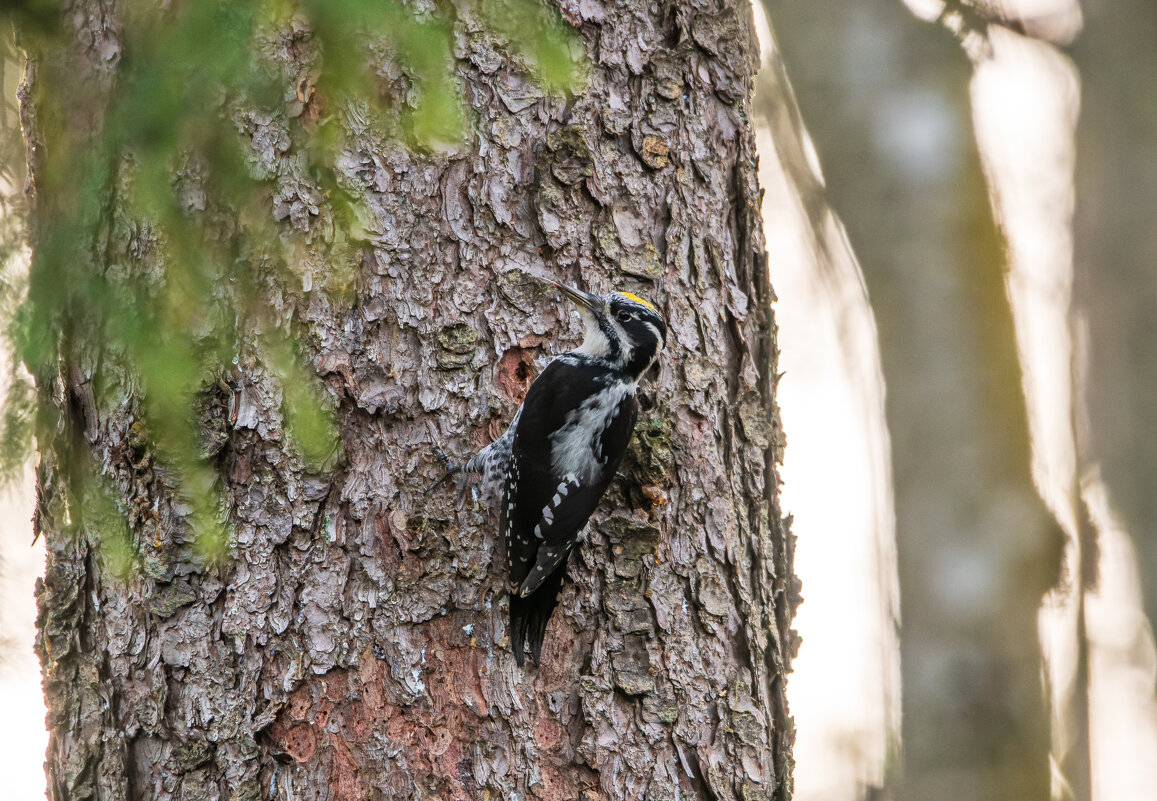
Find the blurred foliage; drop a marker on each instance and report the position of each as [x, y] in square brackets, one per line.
[154, 248]
[16, 414]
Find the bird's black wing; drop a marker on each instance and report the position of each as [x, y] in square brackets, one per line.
[542, 513]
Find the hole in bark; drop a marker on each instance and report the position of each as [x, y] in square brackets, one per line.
[300, 742]
[515, 373]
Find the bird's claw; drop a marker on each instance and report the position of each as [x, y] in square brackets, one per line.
[451, 470]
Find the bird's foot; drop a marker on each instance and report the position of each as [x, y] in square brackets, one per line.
[451, 470]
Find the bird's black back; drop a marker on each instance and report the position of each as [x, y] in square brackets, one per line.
[537, 562]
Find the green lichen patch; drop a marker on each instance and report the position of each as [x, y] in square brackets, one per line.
[606, 241]
[661, 706]
[569, 141]
[458, 338]
[456, 343]
[644, 263]
[166, 601]
[426, 533]
[650, 457]
[521, 289]
[193, 754]
[212, 410]
[747, 727]
[569, 155]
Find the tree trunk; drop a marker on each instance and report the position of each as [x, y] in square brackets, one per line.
[354, 644]
[977, 549]
[1115, 282]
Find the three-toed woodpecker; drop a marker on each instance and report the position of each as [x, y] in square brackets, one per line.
[562, 449]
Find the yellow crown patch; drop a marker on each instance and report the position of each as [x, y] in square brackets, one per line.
[638, 299]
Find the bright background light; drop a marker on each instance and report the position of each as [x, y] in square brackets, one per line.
[23, 738]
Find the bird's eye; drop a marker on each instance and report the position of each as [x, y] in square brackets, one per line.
[624, 316]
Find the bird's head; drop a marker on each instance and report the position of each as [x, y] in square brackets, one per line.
[622, 329]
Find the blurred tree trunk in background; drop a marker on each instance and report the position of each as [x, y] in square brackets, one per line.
[885, 98]
[1116, 282]
[353, 642]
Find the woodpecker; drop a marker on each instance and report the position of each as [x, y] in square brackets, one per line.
[562, 449]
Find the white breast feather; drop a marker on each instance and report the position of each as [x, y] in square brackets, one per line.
[575, 448]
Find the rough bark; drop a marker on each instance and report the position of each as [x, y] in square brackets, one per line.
[354, 644]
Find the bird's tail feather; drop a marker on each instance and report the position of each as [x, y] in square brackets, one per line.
[529, 616]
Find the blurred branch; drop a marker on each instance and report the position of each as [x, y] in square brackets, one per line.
[152, 142]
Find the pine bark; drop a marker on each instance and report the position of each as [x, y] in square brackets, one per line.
[354, 644]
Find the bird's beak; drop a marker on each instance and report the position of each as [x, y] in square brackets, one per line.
[583, 299]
